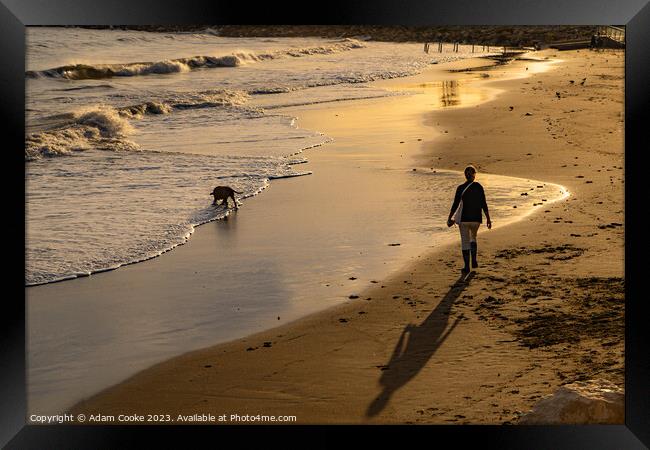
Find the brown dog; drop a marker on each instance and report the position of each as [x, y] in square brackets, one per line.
[223, 193]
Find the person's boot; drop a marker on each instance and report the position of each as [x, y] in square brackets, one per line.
[466, 260]
[474, 251]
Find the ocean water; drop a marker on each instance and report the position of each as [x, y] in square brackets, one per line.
[128, 131]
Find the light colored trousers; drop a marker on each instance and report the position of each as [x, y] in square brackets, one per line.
[468, 232]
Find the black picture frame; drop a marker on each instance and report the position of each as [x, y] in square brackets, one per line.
[634, 14]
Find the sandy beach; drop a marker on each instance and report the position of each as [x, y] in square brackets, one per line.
[545, 307]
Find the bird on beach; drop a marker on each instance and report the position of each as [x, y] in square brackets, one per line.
[557, 94]
[582, 83]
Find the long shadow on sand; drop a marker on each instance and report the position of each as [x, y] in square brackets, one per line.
[423, 341]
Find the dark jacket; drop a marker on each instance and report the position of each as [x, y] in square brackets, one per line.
[473, 202]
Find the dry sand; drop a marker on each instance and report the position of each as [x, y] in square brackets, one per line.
[545, 308]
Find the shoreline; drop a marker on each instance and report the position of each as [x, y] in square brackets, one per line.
[90, 320]
[462, 65]
[330, 393]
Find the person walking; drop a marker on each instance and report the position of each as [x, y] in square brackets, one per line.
[466, 212]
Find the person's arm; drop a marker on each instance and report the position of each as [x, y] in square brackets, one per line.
[450, 221]
[485, 209]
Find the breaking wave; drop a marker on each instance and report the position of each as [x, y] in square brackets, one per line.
[94, 72]
[107, 128]
[102, 128]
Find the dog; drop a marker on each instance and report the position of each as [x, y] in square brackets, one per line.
[223, 193]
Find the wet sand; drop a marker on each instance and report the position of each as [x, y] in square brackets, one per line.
[545, 308]
[302, 246]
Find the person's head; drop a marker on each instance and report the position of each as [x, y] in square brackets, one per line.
[470, 173]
